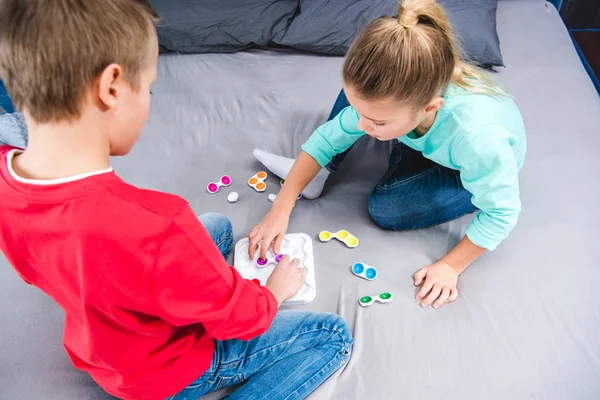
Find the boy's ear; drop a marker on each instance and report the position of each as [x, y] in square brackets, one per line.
[108, 84]
[434, 105]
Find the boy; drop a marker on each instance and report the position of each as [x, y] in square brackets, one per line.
[152, 309]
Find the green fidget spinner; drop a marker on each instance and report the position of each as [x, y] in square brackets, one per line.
[384, 297]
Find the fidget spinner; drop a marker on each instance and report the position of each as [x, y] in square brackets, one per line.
[263, 262]
[257, 182]
[384, 297]
[364, 271]
[343, 236]
[214, 187]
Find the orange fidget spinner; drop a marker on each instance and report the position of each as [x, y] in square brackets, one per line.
[257, 182]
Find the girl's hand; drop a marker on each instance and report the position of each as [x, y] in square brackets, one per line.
[439, 286]
[275, 223]
[272, 228]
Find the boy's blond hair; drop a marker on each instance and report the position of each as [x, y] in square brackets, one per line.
[411, 58]
[51, 51]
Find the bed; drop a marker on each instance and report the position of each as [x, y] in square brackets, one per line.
[526, 323]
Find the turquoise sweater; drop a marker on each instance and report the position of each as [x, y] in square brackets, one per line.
[481, 136]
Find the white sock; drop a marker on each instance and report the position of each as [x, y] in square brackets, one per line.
[281, 167]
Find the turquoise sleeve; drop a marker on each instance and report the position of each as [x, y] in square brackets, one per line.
[489, 170]
[334, 137]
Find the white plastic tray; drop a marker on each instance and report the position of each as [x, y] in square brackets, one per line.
[296, 245]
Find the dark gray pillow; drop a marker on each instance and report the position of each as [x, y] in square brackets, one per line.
[328, 27]
[203, 26]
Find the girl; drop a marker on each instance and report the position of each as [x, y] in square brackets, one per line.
[459, 143]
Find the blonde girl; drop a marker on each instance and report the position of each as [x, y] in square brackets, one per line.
[459, 143]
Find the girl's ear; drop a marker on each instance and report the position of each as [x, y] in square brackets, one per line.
[434, 105]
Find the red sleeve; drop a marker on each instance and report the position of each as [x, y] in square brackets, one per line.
[192, 283]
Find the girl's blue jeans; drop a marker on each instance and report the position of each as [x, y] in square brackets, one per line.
[415, 192]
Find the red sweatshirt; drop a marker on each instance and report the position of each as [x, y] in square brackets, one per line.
[144, 289]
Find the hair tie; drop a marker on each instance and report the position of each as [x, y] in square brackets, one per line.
[408, 19]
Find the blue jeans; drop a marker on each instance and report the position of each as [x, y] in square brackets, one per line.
[296, 355]
[220, 230]
[415, 192]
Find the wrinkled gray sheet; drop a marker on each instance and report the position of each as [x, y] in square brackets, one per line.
[527, 321]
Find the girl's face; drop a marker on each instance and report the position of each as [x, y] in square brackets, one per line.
[386, 119]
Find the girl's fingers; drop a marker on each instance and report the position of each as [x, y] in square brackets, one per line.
[277, 243]
[266, 243]
[420, 275]
[425, 289]
[434, 294]
[443, 297]
[453, 295]
[253, 245]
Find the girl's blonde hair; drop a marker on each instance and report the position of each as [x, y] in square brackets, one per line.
[411, 58]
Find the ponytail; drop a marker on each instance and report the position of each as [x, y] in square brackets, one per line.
[412, 58]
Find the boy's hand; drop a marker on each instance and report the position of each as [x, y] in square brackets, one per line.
[272, 227]
[439, 286]
[286, 279]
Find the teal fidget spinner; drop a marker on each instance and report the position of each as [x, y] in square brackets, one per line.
[384, 297]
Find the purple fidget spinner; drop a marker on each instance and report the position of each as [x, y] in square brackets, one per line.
[214, 187]
[263, 262]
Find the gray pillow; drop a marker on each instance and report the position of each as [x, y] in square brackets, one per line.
[329, 27]
[217, 26]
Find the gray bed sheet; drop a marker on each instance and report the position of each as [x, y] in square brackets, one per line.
[526, 323]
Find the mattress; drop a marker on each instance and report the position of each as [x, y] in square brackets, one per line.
[527, 320]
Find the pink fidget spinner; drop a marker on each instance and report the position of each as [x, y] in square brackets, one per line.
[214, 187]
[262, 262]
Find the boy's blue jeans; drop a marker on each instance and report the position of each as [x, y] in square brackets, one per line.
[296, 355]
[415, 192]
[220, 230]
